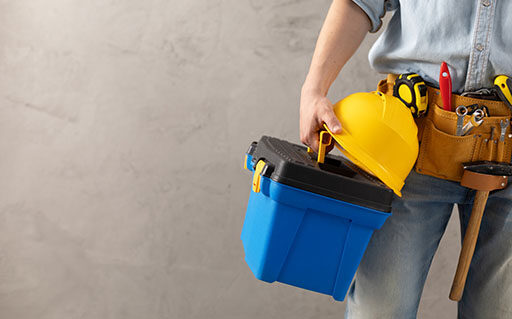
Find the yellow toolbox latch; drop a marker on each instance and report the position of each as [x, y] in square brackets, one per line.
[256, 179]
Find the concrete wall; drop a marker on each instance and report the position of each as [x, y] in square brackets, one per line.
[122, 130]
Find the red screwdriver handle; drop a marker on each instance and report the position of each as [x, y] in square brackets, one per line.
[445, 84]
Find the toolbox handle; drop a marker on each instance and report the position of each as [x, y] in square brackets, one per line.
[325, 140]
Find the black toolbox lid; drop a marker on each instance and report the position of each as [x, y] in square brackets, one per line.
[338, 178]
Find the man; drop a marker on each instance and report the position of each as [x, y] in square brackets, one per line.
[474, 37]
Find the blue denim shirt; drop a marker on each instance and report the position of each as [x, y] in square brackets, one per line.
[473, 36]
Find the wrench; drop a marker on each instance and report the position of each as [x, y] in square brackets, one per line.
[461, 112]
[476, 119]
[504, 125]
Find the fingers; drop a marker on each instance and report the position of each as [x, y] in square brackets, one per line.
[314, 112]
[312, 141]
[332, 121]
[309, 135]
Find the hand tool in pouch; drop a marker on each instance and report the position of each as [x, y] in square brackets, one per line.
[412, 91]
[483, 176]
[503, 86]
[501, 141]
[476, 119]
[461, 112]
[503, 125]
[445, 85]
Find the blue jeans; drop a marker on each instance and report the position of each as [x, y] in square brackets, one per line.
[392, 273]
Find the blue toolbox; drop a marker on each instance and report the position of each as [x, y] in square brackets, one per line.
[308, 223]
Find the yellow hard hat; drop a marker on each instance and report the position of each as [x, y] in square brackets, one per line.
[378, 133]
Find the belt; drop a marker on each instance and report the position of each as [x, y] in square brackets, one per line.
[434, 96]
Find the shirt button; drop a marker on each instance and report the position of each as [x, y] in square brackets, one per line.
[479, 47]
[486, 3]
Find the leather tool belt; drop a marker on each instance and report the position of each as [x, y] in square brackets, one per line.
[442, 153]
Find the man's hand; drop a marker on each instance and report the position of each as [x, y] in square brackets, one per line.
[315, 110]
[344, 28]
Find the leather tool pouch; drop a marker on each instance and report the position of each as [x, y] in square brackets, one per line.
[442, 152]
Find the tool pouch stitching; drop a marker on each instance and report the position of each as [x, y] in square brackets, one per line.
[441, 154]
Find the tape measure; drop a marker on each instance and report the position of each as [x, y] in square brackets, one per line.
[412, 91]
[503, 86]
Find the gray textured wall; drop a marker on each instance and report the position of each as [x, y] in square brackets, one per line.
[122, 130]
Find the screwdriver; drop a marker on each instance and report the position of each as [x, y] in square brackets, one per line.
[503, 86]
[445, 85]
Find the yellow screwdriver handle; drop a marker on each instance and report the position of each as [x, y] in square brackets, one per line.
[503, 85]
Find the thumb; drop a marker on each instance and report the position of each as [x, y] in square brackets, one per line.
[332, 121]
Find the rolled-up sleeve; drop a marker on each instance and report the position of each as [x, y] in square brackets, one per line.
[375, 10]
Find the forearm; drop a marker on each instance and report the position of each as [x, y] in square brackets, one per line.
[343, 31]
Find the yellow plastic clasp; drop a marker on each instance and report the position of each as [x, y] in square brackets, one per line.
[322, 145]
[256, 178]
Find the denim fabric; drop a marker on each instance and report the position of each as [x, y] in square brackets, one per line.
[392, 273]
[473, 36]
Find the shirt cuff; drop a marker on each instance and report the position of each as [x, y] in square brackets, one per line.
[375, 10]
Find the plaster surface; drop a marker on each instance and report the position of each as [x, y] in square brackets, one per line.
[123, 125]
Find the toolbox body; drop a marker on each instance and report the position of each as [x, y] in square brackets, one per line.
[308, 224]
